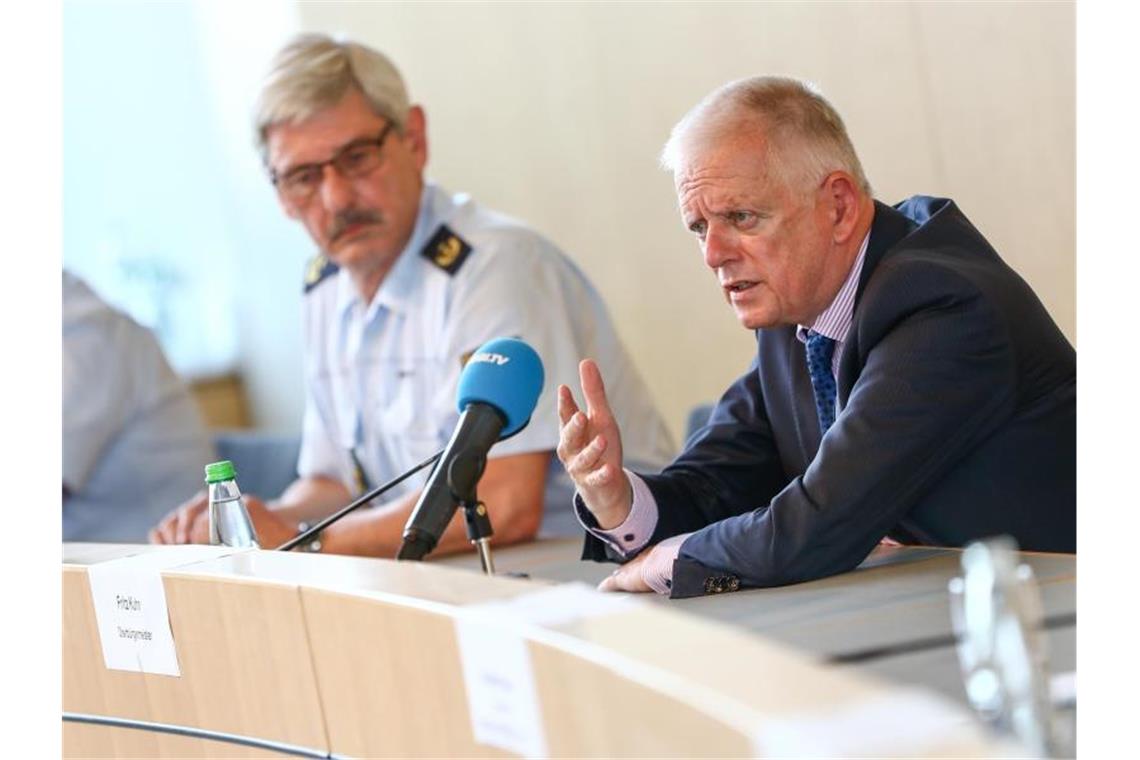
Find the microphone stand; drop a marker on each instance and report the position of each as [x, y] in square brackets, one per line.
[479, 529]
[305, 536]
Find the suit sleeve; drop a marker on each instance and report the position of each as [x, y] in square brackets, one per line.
[938, 378]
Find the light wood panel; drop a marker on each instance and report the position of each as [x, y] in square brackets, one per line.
[391, 678]
[602, 714]
[242, 648]
[85, 740]
[222, 401]
[295, 648]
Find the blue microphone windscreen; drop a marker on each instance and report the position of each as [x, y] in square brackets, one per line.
[507, 374]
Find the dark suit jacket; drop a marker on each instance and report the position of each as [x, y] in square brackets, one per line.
[957, 421]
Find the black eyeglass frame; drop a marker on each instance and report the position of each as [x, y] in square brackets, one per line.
[378, 142]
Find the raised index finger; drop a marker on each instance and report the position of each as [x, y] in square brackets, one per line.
[593, 389]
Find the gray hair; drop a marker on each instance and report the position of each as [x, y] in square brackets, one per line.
[806, 136]
[314, 71]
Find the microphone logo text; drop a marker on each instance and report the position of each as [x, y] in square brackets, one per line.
[491, 358]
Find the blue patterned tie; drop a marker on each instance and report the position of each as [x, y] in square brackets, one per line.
[819, 351]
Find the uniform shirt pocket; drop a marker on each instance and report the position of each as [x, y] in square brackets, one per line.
[407, 422]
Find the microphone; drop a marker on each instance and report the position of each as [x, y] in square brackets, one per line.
[498, 391]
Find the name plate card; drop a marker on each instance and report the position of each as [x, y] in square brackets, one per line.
[130, 607]
[502, 698]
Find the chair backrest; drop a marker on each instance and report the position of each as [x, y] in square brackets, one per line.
[266, 463]
[698, 416]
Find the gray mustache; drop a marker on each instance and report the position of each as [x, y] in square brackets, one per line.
[349, 217]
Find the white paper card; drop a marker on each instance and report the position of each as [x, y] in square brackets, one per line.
[130, 607]
[501, 696]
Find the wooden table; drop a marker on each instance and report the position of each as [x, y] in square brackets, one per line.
[325, 656]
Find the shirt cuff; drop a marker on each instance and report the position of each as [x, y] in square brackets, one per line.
[657, 571]
[634, 533]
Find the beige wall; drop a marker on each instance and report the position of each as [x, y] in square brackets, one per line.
[556, 112]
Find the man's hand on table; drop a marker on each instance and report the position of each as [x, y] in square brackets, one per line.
[190, 523]
[630, 576]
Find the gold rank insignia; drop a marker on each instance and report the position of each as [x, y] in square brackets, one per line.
[446, 250]
[317, 270]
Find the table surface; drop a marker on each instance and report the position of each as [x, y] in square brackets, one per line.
[889, 617]
[896, 599]
[894, 604]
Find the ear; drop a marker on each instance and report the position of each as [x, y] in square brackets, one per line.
[842, 195]
[415, 132]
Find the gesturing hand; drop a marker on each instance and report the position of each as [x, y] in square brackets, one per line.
[589, 446]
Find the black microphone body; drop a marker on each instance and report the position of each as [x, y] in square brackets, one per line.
[453, 479]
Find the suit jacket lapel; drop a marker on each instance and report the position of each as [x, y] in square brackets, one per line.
[888, 228]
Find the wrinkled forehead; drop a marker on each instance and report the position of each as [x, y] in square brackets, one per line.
[722, 157]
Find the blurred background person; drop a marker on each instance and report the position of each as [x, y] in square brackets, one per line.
[133, 440]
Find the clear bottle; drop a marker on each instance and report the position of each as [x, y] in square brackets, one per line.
[229, 520]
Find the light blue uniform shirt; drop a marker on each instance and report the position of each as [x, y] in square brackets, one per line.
[381, 377]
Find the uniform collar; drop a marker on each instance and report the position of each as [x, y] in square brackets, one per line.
[398, 287]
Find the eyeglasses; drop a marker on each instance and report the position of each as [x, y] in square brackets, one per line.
[356, 159]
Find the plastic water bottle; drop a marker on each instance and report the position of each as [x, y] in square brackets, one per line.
[229, 520]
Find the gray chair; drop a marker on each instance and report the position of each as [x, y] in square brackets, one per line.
[698, 416]
[266, 463]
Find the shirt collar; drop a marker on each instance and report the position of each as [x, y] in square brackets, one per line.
[836, 319]
[397, 287]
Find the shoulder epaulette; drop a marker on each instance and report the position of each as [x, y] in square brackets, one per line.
[318, 270]
[446, 250]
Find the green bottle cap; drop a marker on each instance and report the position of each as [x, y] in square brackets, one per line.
[219, 471]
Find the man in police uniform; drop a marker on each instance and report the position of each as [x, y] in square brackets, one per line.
[409, 282]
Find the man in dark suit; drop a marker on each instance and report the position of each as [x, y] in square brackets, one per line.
[908, 384]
